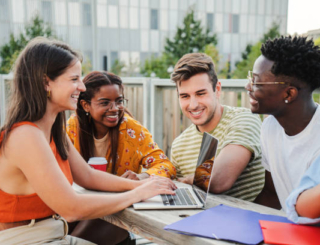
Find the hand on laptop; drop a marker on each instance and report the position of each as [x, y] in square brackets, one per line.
[134, 176]
[155, 185]
[187, 179]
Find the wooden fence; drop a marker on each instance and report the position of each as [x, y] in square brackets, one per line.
[154, 102]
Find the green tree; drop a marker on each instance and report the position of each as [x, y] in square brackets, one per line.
[10, 51]
[189, 38]
[252, 52]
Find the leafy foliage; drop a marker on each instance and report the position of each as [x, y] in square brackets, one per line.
[252, 52]
[10, 51]
[189, 38]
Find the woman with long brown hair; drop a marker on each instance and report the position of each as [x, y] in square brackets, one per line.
[103, 127]
[38, 163]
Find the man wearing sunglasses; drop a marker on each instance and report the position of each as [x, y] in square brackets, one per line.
[281, 85]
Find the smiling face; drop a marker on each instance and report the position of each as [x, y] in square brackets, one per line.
[198, 101]
[65, 89]
[104, 116]
[266, 98]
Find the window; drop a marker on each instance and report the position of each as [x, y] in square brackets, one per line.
[61, 15]
[210, 22]
[86, 11]
[235, 23]
[46, 9]
[114, 57]
[4, 9]
[154, 19]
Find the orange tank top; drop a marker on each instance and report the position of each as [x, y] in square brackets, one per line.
[15, 208]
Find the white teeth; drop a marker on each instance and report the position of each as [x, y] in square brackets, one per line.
[75, 96]
[195, 112]
[113, 116]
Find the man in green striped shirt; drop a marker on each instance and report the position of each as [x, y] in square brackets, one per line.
[237, 167]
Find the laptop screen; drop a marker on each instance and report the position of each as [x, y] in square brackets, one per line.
[203, 172]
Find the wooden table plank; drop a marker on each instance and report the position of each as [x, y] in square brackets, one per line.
[150, 223]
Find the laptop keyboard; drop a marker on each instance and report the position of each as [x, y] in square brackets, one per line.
[182, 197]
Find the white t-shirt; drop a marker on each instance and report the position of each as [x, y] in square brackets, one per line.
[288, 157]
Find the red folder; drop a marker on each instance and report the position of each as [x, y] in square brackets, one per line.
[289, 234]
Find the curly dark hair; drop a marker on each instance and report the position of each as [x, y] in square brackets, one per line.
[295, 57]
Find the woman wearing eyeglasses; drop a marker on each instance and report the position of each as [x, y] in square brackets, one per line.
[104, 128]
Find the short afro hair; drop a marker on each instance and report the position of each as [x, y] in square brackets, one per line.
[294, 57]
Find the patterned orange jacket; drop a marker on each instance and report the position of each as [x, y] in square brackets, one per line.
[136, 149]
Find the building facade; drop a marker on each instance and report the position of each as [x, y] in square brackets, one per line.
[133, 30]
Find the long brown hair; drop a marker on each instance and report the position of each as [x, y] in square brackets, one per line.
[28, 100]
[93, 82]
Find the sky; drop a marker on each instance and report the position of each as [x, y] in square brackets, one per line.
[303, 16]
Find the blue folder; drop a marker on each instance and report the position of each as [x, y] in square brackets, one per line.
[225, 223]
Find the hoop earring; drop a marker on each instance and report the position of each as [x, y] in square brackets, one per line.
[286, 101]
[48, 94]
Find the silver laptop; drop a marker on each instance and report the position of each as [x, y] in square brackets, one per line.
[194, 196]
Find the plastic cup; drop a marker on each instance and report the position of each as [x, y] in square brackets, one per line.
[99, 163]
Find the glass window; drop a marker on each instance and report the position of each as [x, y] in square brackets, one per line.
[46, 10]
[253, 6]
[226, 23]
[154, 45]
[235, 23]
[183, 5]
[277, 7]
[210, 6]
[4, 7]
[210, 22]
[173, 4]
[261, 7]
[260, 24]
[251, 24]
[32, 8]
[202, 6]
[74, 13]
[226, 43]
[235, 43]
[227, 6]
[244, 6]
[218, 27]
[135, 57]
[235, 6]
[202, 17]
[113, 16]
[164, 20]
[114, 57]
[144, 3]
[154, 19]
[123, 2]
[124, 57]
[164, 4]
[173, 19]
[61, 15]
[269, 7]
[219, 5]
[113, 2]
[124, 17]
[102, 15]
[134, 18]
[86, 10]
[18, 11]
[144, 18]
[154, 4]
[243, 23]
[143, 57]
[134, 3]
[284, 7]
[144, 41]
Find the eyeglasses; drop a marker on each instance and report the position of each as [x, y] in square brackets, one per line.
[107, 105]
[252, 82]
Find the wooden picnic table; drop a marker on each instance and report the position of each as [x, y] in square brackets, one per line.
[150, 223]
